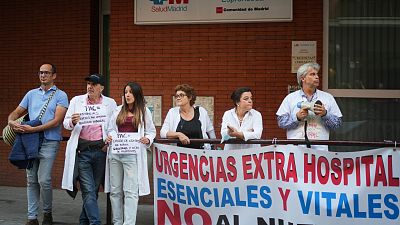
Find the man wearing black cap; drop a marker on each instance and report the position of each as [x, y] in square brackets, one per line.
[86, 146]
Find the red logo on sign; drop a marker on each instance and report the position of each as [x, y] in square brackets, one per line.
[219, 9]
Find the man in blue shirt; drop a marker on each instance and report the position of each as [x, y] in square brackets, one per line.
[39, 176]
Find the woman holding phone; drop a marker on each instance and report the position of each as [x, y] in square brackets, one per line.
[242, 122]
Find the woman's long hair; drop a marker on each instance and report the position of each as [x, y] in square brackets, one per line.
[138, 109]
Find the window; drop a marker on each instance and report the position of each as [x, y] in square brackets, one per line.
[362, 67]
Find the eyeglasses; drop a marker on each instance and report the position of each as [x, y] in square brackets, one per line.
[46, 73]
[179, 96]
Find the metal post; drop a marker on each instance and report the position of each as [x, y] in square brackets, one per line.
[108, 219]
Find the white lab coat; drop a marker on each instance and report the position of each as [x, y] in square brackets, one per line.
[251, 126]
[316, 128]
[148, 131]
[72, 144]
[173, 118]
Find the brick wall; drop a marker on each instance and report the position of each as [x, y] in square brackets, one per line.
[32, 33]
[214, 58]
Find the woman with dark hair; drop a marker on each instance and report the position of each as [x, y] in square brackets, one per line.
[187, 121]
[128, 175]
[241, 122]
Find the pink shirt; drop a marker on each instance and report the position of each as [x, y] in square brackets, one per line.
[92, 132]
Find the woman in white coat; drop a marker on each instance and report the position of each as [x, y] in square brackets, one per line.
[241, 122]
[128, 172]
[186, 121]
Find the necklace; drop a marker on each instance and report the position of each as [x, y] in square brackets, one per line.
[240, 119]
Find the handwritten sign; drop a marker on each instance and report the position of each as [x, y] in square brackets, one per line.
[126, 143]
[92, 114]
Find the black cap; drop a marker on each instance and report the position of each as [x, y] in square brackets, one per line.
[96, 79]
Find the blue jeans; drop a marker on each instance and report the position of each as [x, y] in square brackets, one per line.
[91, 167]
[39, 179]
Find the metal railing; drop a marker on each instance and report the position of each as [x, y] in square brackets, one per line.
[385, 143]
[286, 141]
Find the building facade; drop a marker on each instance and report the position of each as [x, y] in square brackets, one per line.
[356, 44]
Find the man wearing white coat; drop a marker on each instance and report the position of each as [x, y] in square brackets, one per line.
[86, 152]
[309, 122]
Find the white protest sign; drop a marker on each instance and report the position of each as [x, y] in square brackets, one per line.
[92, 114]
[126, 143]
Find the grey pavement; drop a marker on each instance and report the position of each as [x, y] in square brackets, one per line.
[66, 210]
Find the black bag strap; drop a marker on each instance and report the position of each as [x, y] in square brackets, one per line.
[45, 105]
[308, 143]
[197, 112]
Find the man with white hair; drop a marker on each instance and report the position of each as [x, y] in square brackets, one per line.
[309, 113]
[85, 155]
